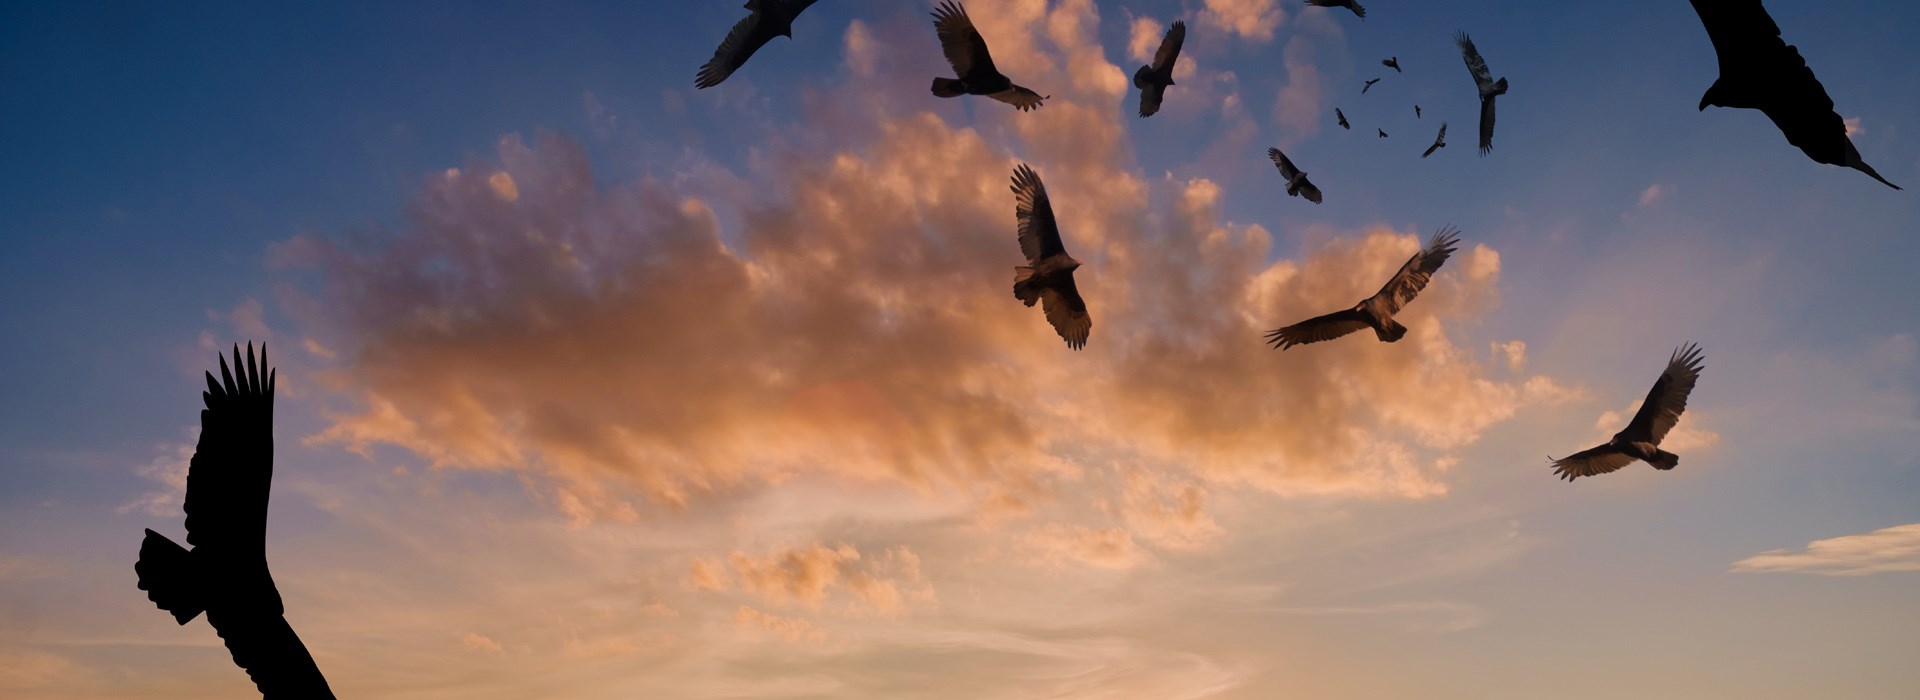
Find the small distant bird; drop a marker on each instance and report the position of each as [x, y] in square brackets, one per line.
[1297, 184]
[1640, 440]
[967, 52]
[1489, 88]
[1154, 79]
[1376, 311]
[1049, 278]
[1342, 118]
[1416, 111]
[1759, 70]
[1393, 63]
[767, 19]
[1439, 142]
[1358, 11]
[1368, 86]
[1383, 132]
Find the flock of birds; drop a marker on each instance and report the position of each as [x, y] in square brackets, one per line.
[225, 575]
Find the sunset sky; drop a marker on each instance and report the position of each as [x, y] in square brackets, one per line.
[592, 385]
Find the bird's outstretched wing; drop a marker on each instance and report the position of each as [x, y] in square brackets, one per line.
[1316, 329]
[1368, 86]
[1668, 397]
[231, 474]
[1170, 48]
[1342, 118]
[1590, 462]
[265, 646]
[1358, 11]
[966, 50]
[1019, 97]
[1482, 78]
[1067, 312]
[1438, 141]
[1150, 98]
[1285, 165]
[1039, 235]
[1418, 270]
[1742, 32]
[734, 51]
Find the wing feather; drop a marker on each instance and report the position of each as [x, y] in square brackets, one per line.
[231, 473]
[965, 49]
[1668, 397]
[741, 42]
[1170, 48]
[1019, 97]
[1039, 235]
[1482, 77]
[1316, 329]
[1590, 462]
[1418, 270]
[1067, 312]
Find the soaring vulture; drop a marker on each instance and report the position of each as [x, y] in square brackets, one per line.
[225, 574]
[766, 20]
[967, 52]
[1368, 86]
[1342, 118]
[1376, 311]
[1439, 141]
[1358, 11]
[1760, 71]
[1154, 79]
[1392, 62]
[1416, 111]
[1641, 438]
[1489, 89]
[1383, 132]
[1048, 278]
[1297, 184]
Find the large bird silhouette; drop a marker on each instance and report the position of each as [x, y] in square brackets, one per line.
[1488, 87]
[225, 574]
[1759, 70]
[1297, 183]
[766, 20]
[1392, 62]
[1048, 277]
[966, 50]
[1154, 79]
[1439, 141]
[1342, 118]
[1368, 86]
[1358, 11]
[1376, 311]
[1640, 440]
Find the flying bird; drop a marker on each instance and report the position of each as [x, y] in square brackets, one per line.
[1049, 277]
[1393, 63]
[1358, 11]
[1368, 86]
[766, 20]
[1640, 440]
[1759, 70]
[1383, 132]
[1297, 184]
[225, 574]
[1416, 111]
[967, 52]
[1489, 88]
[1154, 79]
[1376, 311]
[1439, 142]
[1342, 118]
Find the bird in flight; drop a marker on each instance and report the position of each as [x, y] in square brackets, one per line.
[1358, 11]
[967, 52]
[1416, 111]
[1759, 70]
[1048, 278]
[1489, 88]
[1297, 184]
[766, 20]
[1154, 79]
[1368, 86]
[1342, 118]
[1640, 440]
[1439, 141]
[1376, 311]
[1393, 62]
[1383, 132]
[225, 574]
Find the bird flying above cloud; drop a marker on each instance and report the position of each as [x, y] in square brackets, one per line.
[1759, 70]
[1048, 276]
[966, 51]
[1153, 79]
[1358, 11]
[1297, 184]
[1488, 87]
[1368, 86]
[766, 20]
[1342, 118]
[1376, 311]
[1640, 440]
[1439, 141]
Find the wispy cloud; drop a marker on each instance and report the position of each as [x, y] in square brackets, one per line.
[1887, 550]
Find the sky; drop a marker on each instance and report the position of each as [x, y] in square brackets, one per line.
[594, 385]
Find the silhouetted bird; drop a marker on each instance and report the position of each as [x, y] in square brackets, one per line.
[1358, 11]
[1416, 111]
[1489, 88]
[225, 574]
[1049, 277]
[1154, 79]
[1342, 118]
[1640, 440]
[1439, 141]
[1368, 86]
[1758, 70]
[1393, 63]
[1297, 184]
[967, 52]
[1383, 132]
[1376, 311]
[768, 19]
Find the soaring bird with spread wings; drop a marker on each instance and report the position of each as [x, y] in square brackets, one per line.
[1488, 87]
[1297, 184]
[225, 574]
[1439, 141]
[1640, 440]
[1368, 86]
[1154, 79]
[1376, 311]
[767, 19]
[1358, 11]
[966, 50]
[1048, 276]
[1342, 118]
[1759, 70]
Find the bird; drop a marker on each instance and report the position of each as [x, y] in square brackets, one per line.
[1342, 118]
[1383, 132]
[1640, 440]
[1048, 278]
[1376, 311]
[1393, 62]
[967, 52]
[1416, 111]
[766, 20]
[1489, 88]
[1439, 142]
[1759, 70]
[1297, 184]
[1154, 79]
[225, 574]
[1368, 86]
[1358, 11]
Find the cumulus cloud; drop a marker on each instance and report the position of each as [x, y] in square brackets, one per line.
[1885, 550]
[1109, 547]
[1299, 106]
[792, 629]
[1253, 20]
[806, 576]
[1143, 37]
[480, 642]
[1653, 194]
[1853, 127]
[169, 469]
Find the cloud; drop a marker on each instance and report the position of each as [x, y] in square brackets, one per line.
[1143, 38]
[792, 629]
[1853, 127]
[1299, 106]
[1110, 547]
[1253, 20]
[1886, 550]
[169, 468]
[1686, 435]
[478, 642]
[1514, 352]
[806, 575]
[1653, 194]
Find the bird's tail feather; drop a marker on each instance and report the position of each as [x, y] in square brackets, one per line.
[1663, 459]
[166, 574]
[1021, 289]
[1393, 331]
[948, 87]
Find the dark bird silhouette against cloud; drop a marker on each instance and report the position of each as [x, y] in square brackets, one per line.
[225, 574]
[966, 50]
[1376, 311]
[1297, 184]
[766, 20]
[1358, 11]
[1640, 440]
[1488, 87]
[1439, 141]
[1153, 79]
[1368, 86]
[1342, 118]
[1048, 277]
[1759, 70]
